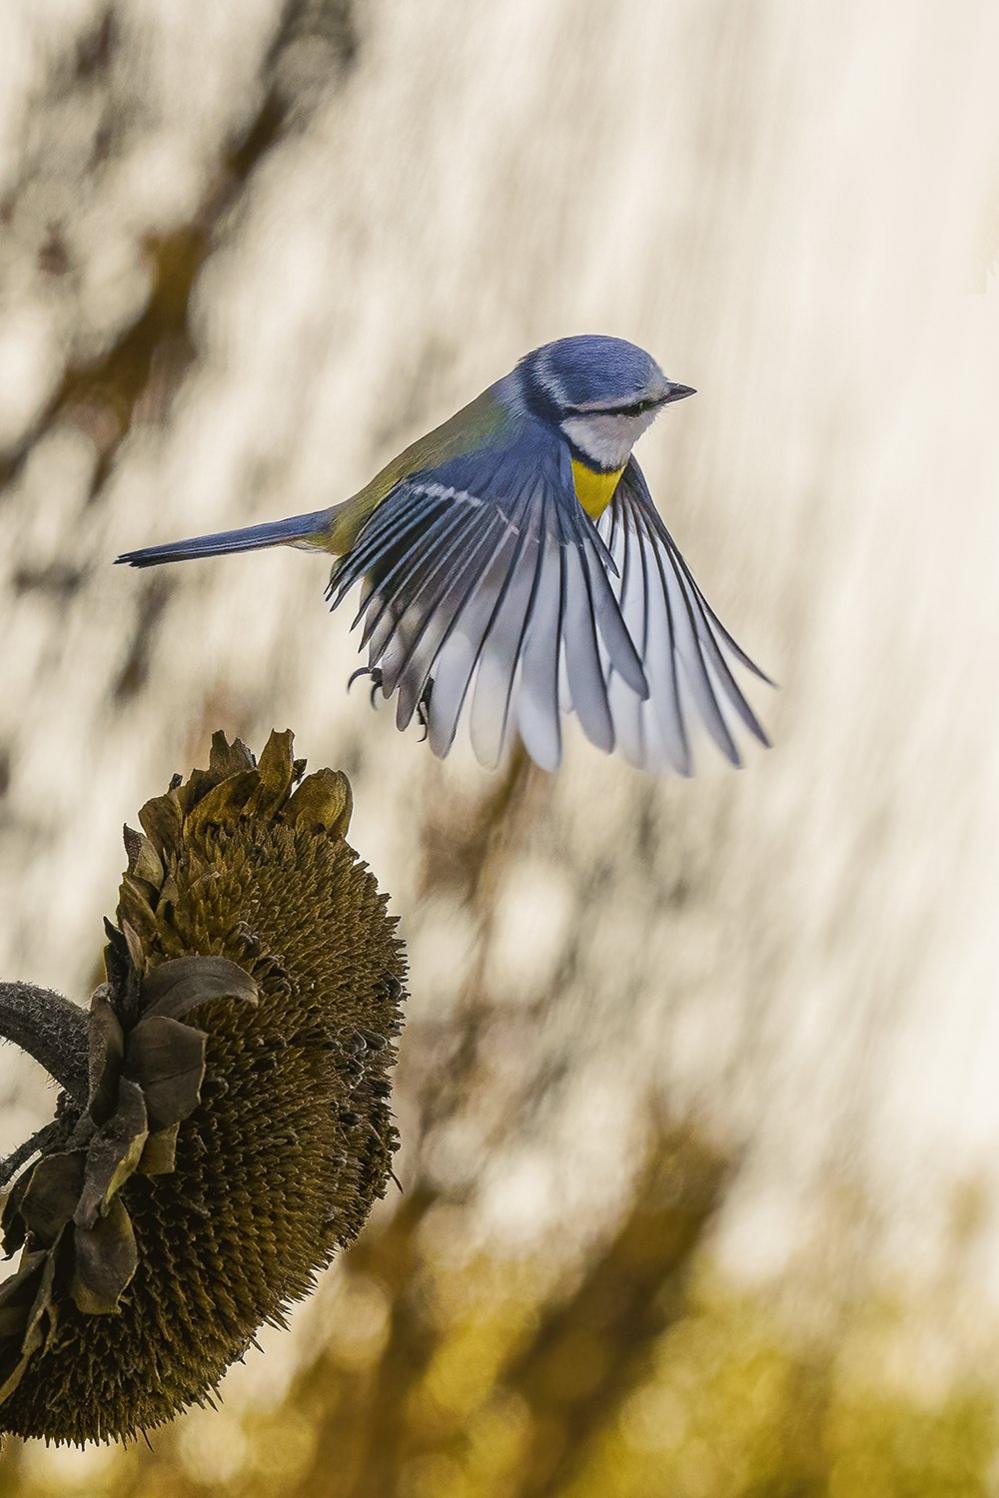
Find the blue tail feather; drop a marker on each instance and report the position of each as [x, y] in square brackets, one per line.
[222, 543]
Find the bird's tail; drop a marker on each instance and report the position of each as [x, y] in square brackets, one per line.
[296, 528]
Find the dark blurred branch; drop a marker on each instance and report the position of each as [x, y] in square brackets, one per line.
[589, 1353]
[460, 849]
[49, 1028]
[145, 364]
[396, 1261]
[361, 1423]
[466, 853]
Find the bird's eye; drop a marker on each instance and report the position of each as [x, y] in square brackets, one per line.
[633, 408]
[637, 408]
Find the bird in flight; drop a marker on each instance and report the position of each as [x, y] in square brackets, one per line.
[515, 570]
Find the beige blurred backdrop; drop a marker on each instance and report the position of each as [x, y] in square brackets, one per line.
[249, 251]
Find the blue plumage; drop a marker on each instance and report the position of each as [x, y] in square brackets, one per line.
[591, 368]
[514, 570]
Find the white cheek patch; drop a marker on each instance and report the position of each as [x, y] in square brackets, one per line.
[605, 439]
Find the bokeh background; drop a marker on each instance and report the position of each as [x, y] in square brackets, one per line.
[698, 1091]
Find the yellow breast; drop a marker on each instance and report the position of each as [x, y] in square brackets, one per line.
[594, 489]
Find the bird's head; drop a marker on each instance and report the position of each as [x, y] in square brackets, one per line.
[601, 392]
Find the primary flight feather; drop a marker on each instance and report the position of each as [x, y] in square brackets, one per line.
[514, 570]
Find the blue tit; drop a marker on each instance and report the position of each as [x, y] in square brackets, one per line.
[514, 570]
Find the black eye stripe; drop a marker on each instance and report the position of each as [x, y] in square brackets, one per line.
[637, 408]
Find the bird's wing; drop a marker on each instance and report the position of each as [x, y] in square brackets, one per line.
[485, 584]
[685, 649]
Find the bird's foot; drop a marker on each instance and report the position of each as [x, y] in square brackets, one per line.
[376, 679]
[423, 711]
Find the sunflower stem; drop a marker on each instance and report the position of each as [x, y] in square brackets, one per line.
[50, 1029]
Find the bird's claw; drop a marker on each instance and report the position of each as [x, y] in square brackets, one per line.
[376, 679]
[422, 707]
[423, 711]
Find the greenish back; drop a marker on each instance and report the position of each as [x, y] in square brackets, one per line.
[468, 428]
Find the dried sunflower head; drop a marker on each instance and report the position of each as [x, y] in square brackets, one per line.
[236, 1127]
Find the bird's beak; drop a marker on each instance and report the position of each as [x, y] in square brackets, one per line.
[677, 392]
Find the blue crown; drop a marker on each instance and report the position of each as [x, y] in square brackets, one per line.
[591, 367]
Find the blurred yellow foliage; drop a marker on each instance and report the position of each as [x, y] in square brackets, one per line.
[648, 1377]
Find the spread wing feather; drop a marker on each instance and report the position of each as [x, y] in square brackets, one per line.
[487, 589]
[481, 577]
[679, 638]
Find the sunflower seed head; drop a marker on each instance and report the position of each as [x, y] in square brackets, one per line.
[237, 1129]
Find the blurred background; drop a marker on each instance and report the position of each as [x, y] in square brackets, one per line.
[698, 1089]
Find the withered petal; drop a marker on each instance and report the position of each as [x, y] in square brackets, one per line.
[106, 1258]
[143, 860]
[11, 1221]
[52, 1193]
[159, 1156]
[107, 1048]
[19, 1301]
[113, 1153]
[223, 805]
[35, 1334]
[167, 1059]
[276, 769]
[162, 820]
[190, 791]
[18, 1292]
[323, 800]
[134, 910]
[11, 1320]
[228, 759]
[182, 983]
[134, 943]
